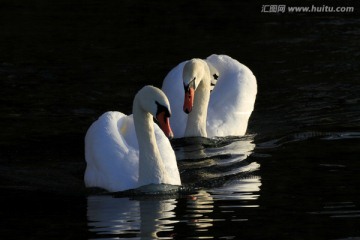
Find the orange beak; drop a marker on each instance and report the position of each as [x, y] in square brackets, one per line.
[189, 100]
[164, 124]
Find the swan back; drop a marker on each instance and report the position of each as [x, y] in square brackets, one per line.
[232, 99]
[106, 150]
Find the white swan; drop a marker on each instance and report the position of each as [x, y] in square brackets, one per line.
[126, 152]
[224, 111]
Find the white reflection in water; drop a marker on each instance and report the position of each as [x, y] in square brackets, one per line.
[198, 148]
[146, 218]
[215, 158]
[119, 216]
[199, 207]
[241, 148]
[246, 190]
[224, 201]
[239, 189]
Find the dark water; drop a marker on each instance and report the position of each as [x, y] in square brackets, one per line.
[295, 175]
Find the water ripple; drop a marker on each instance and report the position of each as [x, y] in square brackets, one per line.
[208, 163]
[302, 136]
[339, 210]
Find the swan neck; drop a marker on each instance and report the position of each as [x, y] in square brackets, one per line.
[196, 123]
[151, 166]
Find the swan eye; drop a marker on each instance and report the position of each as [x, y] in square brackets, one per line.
[161, 108]
[190, 85]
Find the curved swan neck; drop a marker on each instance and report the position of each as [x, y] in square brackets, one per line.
[151, 166]
[196, 123]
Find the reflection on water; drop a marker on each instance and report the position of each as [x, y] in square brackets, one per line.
[303, 136]
[197, 148]
[199, 207]
[230, 182]
[197, 214]
[123, 217]
[339, 210]
[212, 162]
[240, 189]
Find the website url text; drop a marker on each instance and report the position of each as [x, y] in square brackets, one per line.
[307, 9]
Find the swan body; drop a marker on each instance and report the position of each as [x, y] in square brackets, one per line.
[126, 152]
[209, 98]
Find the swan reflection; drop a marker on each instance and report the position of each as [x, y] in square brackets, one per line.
[228, 187]
[213, 162]
[207, 211]
[198, 210]
[198, 215]
[123, 217]
[240, 189]
[239, 148]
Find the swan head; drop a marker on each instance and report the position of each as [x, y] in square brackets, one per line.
[193, 73]
[154, 101]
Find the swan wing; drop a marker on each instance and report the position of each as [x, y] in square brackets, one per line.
[173, 88]
[111, 153]
[168, 156]
[232, 99]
